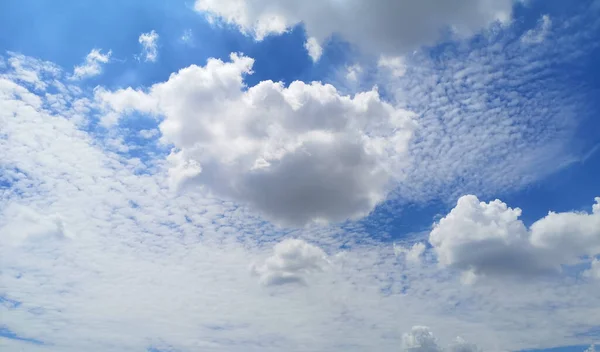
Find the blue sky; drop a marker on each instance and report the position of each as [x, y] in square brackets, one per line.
[269, 175]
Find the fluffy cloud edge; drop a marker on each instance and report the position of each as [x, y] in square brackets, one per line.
[257, 139]
[489, 239]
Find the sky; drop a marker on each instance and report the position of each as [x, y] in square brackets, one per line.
[277, 175]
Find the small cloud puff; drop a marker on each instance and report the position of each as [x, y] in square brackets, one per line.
[149, 42]
[148, 134]
[292, 261]
[315, 50]
[412, 254]
[395, 65]
[421, 339]
[92, 65]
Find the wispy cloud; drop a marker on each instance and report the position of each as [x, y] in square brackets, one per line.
[92, 66]
[149, 42]
[538, 34]
[187, 37]
[29, 71]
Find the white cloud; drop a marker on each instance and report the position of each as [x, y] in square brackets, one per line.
[149, 133]
[92, 66]
[314, 49]
[394, 65]
[412, 254]
[290, 152]
[489, 239]
[149, 42]
[353, 72]
[127, 101]
[461, 345]
[501, 105]
[180, 261]
[384, 27]
[594, 270]
[539, 33]
[291, 262]
[21, 225]
[421, 339]
[31, 71]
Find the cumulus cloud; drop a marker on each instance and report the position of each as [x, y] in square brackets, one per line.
[149, 42]
[92, 66]
[412, 254]
[489, 239]
[539, 33]
[292, 261]
[127, 101]
[382, 27]
[421, 339]
[298, 154]
[199, 247]
[314, 49]
[392, 64]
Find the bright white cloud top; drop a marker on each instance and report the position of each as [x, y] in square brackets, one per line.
[489, 239]
[292, 261]
[292, 152]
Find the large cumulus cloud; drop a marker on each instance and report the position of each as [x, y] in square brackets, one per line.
[298, 154]
[490, 239]
[385, 27]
